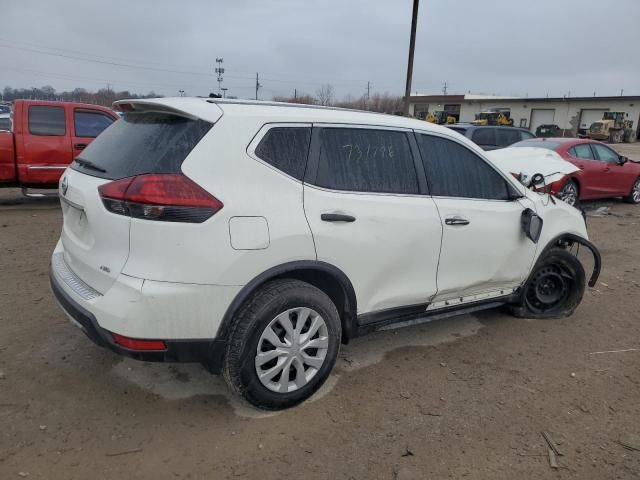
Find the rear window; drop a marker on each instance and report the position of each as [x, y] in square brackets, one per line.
[46, 121]
[459, 130]
[141, 143]
[537, 144]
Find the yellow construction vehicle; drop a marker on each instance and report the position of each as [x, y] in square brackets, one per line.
[614, 128]
[440, 117]
[494, 117]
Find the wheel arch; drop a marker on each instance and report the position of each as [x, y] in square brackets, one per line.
[576, 180]
[566, 240]
[324, 276]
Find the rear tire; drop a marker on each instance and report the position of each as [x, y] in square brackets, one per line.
[554, 288]
[570, 193]
[634, 194]
[268, 342]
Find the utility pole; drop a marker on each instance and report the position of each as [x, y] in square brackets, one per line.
[295, 93]
[444, 89]
[621, 91]
[257, 85]
[220, 71]
[412, 46]
[368, 91]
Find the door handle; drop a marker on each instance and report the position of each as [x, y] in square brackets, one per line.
[456, 221]
[337, 217]
[607, 169]
[80, 146]
[581, 167]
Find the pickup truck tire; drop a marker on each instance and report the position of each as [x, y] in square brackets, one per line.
[271, 333]
[554, 288]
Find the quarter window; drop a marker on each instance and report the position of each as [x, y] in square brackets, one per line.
[605, 154]
[582, 151]
[455, 171]
[286, 149]
[90, 124]
[366, 160]
[46, 121]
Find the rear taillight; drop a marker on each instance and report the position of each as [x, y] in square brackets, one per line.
[162, 197]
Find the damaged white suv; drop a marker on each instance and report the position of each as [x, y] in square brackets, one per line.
[255, 238]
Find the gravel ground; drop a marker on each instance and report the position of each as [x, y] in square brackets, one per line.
[461, 398]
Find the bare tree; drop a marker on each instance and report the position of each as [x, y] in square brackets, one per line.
[325, 94]
[303, 98]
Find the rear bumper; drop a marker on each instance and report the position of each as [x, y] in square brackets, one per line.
[185, 317]
[209, 352]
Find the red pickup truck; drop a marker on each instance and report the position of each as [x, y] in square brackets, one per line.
[45, 138]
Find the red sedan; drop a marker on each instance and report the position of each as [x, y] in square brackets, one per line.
[603, 172]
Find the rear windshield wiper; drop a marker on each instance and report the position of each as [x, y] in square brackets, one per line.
[87, 164]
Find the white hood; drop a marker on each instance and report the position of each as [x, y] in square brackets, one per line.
[530, 160]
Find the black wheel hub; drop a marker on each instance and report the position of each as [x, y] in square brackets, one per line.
[548, 289]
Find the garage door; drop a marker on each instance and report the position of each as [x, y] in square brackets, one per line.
[588, 116]
[541, 116]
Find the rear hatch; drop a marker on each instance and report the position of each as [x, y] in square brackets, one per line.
[143, 151]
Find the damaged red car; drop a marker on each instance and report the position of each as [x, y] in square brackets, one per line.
[603, 173]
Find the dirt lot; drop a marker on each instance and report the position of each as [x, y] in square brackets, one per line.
[466, 397]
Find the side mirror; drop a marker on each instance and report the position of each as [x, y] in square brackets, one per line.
[531, 225]
[622, 159]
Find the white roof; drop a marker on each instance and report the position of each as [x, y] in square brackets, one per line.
[211, 109]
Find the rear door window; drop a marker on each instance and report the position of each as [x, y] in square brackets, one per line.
[366, 160]
[455, 171]
[485, 137]
[139, 143]
[90, 124]
[47, 121]
[286, 149]
[582, 151]
[506, 137]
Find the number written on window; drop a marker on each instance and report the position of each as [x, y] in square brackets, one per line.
[366, 160]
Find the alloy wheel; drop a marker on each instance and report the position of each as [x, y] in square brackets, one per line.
[291, 350]
[569, 194]
[635, 193]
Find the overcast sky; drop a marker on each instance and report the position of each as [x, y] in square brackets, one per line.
[504, 47]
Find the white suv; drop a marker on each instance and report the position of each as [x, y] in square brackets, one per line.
[255, 238]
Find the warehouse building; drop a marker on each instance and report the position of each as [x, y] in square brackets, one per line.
[571, 114]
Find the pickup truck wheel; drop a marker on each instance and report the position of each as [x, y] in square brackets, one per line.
[634, 195]
[554, 288]
[283, 344]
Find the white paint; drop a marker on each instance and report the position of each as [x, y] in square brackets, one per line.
[248, 233]
[529, 161]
